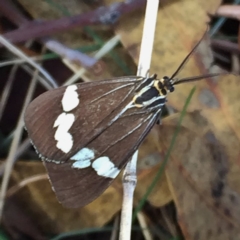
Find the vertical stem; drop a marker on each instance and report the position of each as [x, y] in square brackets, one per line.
[148, 37]
[129, 176]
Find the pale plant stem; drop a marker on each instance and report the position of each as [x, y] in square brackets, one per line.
[114, 234]
[106, 48]
[7, 89]
[145, 230]
[35, 178]
[129, 175]
[129, 184]
[20, 54]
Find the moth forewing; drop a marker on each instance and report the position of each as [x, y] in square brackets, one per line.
[45, 115]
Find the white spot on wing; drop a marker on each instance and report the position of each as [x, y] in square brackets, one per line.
[65, 143]
[64, 138]
[105, 168]
[70, 98]
[64, 121]
[83, 158]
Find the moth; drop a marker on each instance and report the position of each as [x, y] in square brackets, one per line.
[85, 133]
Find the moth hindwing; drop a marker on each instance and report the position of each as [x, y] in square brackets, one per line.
[86, 132]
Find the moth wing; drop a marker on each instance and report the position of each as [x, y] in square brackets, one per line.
[42, 115]
[100, 126]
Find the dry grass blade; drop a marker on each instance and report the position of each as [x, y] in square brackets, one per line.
[106, 48]
[20, 54]
[7, 89]
[13, 190]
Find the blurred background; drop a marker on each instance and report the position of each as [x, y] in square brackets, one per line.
[197, 196]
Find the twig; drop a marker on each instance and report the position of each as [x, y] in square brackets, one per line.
[7, 89]
[106, 48]
[225, 45]
[14, 189]
[115, 229]
[20, 54]
[129, 175]
[72, 55]
[19, 61]
[8, 9]
[102, 15]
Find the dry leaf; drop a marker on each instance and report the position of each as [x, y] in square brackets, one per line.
[204, 174]
[180, 24]
[40, 201]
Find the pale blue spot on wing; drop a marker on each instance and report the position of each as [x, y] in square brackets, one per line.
[83, 155]
[105, 168]
[81, 164]
[83, 158]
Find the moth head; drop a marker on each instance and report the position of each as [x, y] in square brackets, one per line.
[165, 85]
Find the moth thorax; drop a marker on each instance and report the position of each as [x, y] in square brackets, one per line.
[151, 97]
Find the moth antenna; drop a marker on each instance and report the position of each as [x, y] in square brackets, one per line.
[187, 57]
[197, 78]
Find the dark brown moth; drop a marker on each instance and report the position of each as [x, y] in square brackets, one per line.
[85, 133]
